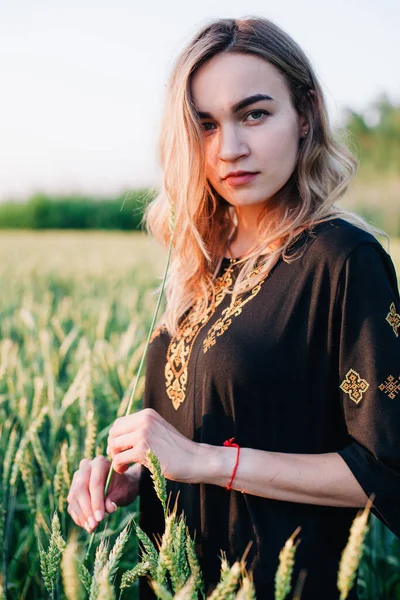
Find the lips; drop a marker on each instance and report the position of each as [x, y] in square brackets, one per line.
[239, 174]
[240, 178]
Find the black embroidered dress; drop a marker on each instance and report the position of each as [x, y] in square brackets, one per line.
[308, 362]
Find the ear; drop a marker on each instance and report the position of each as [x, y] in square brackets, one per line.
[303, 126]
[303, 123]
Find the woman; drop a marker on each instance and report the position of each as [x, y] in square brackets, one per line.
[281, 328]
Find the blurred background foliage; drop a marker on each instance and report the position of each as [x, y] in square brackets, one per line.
[42, 211]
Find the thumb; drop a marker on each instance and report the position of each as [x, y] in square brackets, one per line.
[110, 506]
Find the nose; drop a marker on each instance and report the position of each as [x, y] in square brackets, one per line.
[232, 144]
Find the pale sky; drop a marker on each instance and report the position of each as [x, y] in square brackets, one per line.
[82, 81]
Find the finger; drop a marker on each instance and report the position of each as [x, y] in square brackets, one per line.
[79, 478]
[122, 461]
[80, 481]
[131, 422]
[120, 443]
[76, 513]
[123, 425]
[98, 477]
[73, 514]
[110, 506]
[88, 521]
[81, 496]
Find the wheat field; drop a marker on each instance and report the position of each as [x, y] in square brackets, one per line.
[75, 309]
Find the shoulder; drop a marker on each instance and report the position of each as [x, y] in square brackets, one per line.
[337, 248]
[347, 252]
[333, 242]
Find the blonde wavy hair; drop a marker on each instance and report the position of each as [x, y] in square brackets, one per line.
[203, 220]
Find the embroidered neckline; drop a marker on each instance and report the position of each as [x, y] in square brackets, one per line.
[181, 345]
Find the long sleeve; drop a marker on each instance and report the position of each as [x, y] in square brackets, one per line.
[368, 317]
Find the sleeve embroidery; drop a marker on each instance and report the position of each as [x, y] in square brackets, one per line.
[393, 318]
[354, 385]
[391, 386]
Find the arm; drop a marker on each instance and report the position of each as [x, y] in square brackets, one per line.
[368, 322]
[323, 479]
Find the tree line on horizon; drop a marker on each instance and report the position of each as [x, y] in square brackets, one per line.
[373, 137]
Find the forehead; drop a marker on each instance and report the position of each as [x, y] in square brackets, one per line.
[228, 77]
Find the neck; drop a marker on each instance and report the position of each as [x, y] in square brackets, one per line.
[246, 234]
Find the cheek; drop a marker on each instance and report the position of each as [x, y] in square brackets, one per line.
[212, 173]
[278, 139]
[277, 153]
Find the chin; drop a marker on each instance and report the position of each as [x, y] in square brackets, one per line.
[247, 197]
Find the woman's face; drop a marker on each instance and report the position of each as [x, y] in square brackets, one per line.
[242, 133]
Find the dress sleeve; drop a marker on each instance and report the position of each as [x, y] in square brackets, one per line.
[368, 308]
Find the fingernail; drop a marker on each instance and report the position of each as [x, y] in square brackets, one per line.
[98, 515]
[92, 522]
[86, 526]
[114, 506]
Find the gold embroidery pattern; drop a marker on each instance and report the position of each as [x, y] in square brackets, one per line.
[180, 346]
[233, 310]
[354, 385]
[391, 386]
[393, 318]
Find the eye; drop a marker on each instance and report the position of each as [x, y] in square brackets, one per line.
[258, 114]
[205, 126]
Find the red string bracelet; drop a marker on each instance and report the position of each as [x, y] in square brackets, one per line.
[232, 445]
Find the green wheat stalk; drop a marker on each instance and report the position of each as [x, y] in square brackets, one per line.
[50, 560]
[116, 551]
[129, 407]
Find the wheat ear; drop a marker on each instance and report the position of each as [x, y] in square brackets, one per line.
[33, 428]
[228, 584]
[116, 551]
[27, 474]
[352, 553]
[160, 484]
[69, 568]
[106, 590]
[149, 553]
[194, 564]
[165, 561]
[283, 577]
[85, 577]
[247, 590]
[188, 591]
[50, 560]
[99, 563]
[161, 592]
[139, 570]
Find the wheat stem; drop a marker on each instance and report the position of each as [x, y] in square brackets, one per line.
[129, 407]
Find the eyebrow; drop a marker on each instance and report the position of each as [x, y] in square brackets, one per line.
[240, 105]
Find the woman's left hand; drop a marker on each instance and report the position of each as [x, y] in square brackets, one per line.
[130, 437]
